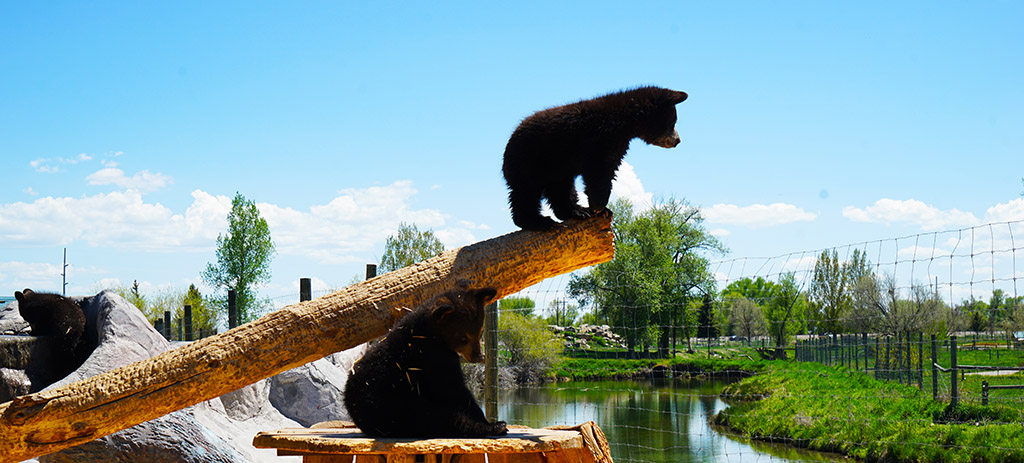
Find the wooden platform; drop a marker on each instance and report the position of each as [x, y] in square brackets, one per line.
[584, 443]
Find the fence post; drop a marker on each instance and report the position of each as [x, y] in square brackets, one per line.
[864, 343]
[920, 361]
[935, 369]
[877, 351]
[954, 394]
[232, 309]
[888, 358]
[167, 324]
[371, 271]
[984, 392]
[491, 362]
[188, 323]
[305, 289]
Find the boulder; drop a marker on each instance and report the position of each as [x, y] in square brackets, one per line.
[218, 430]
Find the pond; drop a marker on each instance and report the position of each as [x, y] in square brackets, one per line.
[647, 421]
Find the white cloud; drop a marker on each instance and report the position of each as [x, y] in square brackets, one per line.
[143, 181]
[627, 185]
[38, 276]
[355, 222]
[350, 228]
[50, 166]
[888, 211]
[757, 215]
[42, 165]
[1006, 212]
[30, 191]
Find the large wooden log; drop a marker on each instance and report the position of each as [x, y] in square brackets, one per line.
[48, 421]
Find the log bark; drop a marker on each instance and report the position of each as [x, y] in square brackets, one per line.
[48, 421]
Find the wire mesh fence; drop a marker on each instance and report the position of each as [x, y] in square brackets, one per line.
[903, 348]
[917, 322]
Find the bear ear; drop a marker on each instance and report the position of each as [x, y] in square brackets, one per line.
[677, 97]
[485, 295]
[441, 311]
[19, 296]
[442, 308]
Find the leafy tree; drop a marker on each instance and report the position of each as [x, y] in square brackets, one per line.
[521, 305]
[707, 328]
[746, 318]
[1013, 322]
[409, 246]
[786, 310]
[783, 305]
[204, 317]
[832, 287]
[562, 313]
[919, 313]
[529, 346]
[660, 267]
[758, 290]
[243, 257]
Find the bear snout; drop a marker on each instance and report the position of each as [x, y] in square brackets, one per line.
[667, 141]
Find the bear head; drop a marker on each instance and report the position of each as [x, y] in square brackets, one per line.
[459, 317]
[659, 125]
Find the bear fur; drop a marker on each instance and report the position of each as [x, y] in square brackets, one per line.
[410, 384]
[56, 316]
[588, 138]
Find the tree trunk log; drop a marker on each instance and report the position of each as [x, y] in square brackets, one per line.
[48, 421]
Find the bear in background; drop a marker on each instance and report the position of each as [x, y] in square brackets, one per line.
[410, 384]
[589, 138]
[54, 315]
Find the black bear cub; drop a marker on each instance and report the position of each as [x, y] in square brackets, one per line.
[410, 383]
[55, 315]
[589, 138]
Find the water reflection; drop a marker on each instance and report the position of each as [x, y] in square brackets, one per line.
[646, 421]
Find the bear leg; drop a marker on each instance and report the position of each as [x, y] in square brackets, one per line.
[525, 204]
[598, 187]
[564, 200]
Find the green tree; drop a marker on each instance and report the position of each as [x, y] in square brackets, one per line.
[409, 246]
[786, 309]
[746, 317]
[135, 297]
[204, 317]
[661, 265]
[521, 305]
[243, 257]
[1013, 322]
[831, 291]
[530, 348]
[562, 312]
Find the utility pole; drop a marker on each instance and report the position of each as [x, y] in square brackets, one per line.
[64, 275]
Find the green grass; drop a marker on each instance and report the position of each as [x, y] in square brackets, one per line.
[723, 360]
[838, 410]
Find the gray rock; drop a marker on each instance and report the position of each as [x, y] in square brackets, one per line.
[124, 336]
[311, 393]
[218, 430]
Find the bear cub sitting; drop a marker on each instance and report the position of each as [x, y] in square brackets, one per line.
[410, 383]
[55, 315]
[589, 138]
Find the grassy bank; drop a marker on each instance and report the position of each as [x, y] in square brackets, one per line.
[741, 362]
[837, 410]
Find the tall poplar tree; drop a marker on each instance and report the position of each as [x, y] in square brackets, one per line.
[243, 257]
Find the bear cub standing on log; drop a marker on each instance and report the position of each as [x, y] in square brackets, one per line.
[589, 138]
[410, 383]
[55, 315]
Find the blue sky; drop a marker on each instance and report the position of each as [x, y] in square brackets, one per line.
[127, 127]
